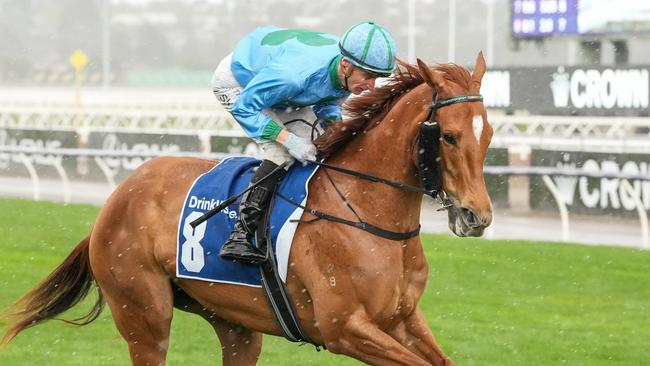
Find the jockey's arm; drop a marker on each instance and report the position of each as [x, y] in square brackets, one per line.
[268, 88]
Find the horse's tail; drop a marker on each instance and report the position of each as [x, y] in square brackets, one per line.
[66, 286]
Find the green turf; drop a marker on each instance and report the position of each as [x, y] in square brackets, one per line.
[488, 302]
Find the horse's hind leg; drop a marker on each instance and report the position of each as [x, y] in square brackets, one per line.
[141, 303]
[239, 346]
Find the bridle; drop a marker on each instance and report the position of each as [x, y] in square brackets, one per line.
[429, 158]
[429, 171]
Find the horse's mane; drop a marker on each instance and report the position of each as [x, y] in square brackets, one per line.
[373, 106]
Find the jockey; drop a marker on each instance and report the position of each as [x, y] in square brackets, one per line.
[275, 75]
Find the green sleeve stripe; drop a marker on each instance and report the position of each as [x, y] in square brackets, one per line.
[271, 131]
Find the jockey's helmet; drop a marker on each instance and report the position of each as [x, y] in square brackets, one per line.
[369, 47]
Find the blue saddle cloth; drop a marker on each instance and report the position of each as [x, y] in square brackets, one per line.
[198, 249]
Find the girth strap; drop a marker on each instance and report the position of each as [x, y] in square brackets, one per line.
[275, 290]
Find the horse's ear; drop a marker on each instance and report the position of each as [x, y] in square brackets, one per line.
[477, 75]
[431, 77]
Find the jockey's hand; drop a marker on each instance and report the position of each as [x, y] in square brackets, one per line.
[300, 148]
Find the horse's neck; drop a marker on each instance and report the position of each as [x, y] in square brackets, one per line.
[386, 151]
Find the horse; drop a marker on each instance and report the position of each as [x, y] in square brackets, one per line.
[355, 293]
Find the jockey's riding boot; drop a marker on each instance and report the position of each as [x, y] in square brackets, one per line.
[252, 207]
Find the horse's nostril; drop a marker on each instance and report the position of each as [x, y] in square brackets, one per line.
[469, 218]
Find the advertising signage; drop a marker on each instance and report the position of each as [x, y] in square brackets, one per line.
[563, 90]
[592, 195]
[540, 18]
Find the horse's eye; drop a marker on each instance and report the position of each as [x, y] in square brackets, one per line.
[449, 138]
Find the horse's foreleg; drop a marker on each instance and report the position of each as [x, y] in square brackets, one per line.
[363, 340]
[239, 346]
[415, 334]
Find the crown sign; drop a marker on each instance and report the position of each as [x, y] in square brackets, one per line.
[561, 87]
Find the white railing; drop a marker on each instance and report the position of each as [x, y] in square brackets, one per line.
[159, 120]
[99, 156]
[115, 98]
[545, 172]
[570, 126]
[594, 134]
[139, 104]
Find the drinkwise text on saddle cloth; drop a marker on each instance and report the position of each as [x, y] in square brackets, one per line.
[205, 204]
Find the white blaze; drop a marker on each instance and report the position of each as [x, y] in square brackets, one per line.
[477, 125]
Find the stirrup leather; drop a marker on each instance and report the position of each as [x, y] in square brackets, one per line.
[258, 197]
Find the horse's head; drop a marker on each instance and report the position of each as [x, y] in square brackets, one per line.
[464, 138]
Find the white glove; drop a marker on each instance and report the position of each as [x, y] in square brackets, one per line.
[300, 148]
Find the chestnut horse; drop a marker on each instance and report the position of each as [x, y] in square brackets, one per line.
[354, 292]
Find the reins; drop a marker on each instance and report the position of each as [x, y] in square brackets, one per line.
[372, 229]
[375, 179]
[360, 224]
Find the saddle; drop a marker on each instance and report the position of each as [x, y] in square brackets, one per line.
[214, 195]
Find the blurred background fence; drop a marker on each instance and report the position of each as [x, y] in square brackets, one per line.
[604, 159]
[89, 89]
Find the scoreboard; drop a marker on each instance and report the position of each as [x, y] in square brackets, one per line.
[542, 18]
[536, 18]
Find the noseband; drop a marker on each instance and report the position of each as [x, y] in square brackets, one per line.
[429, 145]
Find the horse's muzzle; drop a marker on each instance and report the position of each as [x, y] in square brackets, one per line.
[464, 222]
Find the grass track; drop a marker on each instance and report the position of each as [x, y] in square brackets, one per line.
[488, 302]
